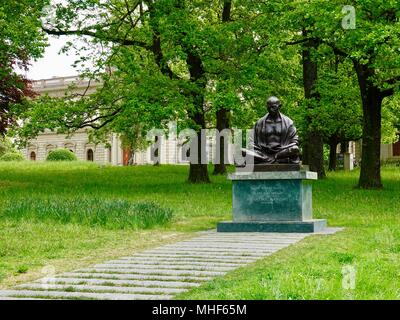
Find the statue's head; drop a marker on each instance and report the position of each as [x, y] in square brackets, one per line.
[273, 105]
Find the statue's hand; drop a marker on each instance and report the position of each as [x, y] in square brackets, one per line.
[285, 153]
[294, 150]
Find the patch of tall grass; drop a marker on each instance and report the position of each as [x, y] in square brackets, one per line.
[95, 212]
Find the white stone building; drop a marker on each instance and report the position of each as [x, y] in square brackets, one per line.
[171, 150]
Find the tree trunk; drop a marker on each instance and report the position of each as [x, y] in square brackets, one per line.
[344, 147]
[223, 114]
[314, 144]
[332, 155]
[131, 161]
[304, 155]
[198, 173]
[222, 124]
[370, 175]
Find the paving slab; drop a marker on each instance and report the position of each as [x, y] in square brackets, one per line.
[179, 255]
[47, 294]
[133, 277]
[155, 268]
[99, 288]
[175, 262]
[154, 271]
[115, 282]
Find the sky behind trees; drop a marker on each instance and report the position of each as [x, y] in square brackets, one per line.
[53, 63]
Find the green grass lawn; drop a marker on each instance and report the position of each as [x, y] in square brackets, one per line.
[35, 197]
[312, 269]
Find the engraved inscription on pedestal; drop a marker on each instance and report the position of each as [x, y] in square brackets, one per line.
[271, 200]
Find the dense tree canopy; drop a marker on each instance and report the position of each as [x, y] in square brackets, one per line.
[208, 64]
[194, 62]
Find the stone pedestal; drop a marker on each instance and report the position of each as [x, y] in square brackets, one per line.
[272, 202]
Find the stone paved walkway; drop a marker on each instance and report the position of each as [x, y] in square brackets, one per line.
[162, 272]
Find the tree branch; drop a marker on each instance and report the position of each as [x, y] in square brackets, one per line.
[92, 122]
[85, 32]
[393, 80]
[338, 51]
[304, 40]
[389, 92]
[97, 127]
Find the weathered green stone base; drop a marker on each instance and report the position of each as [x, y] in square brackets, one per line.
[310, 226]
[272, 201]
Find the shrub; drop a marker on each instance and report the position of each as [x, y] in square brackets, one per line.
[106, 213]
[61, 155]
[12, 156]
[5, 146]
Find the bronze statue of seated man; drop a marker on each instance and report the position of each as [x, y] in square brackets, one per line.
[275, 138]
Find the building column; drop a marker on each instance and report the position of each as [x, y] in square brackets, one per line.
[116, 150]
[348, 163]
[114, 160]
[80, 151]
[41, 151]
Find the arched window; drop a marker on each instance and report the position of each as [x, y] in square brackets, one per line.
[156, 152]
[33, 156]
[90, 155]
[70, 147]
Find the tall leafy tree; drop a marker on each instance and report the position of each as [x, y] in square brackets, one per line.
[373, 48]
[371, 41]
[21, 39]
[339, 115]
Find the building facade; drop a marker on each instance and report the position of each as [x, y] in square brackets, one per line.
[390, 151]
[171, 149]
